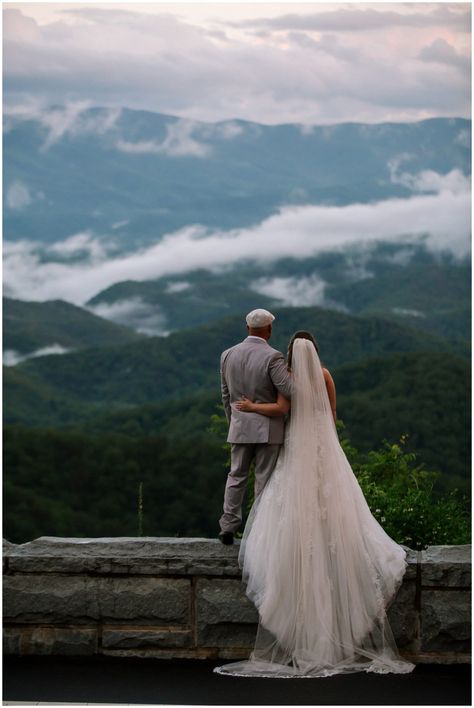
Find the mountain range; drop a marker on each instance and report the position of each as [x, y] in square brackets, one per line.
[157, 368]
[135, 175]
[89, 190]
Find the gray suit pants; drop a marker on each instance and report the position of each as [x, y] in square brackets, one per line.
[241, 458]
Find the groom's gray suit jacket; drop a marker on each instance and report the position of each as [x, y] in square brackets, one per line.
[255, 370]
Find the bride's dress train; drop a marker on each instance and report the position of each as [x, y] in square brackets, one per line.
[318, 566]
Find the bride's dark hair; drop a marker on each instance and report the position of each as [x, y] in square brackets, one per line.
[300, 334]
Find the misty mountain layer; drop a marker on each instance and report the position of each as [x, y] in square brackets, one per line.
[136, 175]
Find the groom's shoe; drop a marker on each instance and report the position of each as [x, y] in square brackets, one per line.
[226, 537]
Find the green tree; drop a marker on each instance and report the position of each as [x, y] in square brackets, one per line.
[401, 495]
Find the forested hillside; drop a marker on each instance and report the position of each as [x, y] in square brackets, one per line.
[428, 294]
[158, 368]
[28, 326]
[73, 484]
[422, 395]
[84, 429]
[426, 396]
[83, 479]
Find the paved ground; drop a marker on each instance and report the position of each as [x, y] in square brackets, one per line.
[160, 682]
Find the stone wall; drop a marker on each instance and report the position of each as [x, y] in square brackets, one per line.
[183, 597]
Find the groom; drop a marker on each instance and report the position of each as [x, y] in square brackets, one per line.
[254, 370]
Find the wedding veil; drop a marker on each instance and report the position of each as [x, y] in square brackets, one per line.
[318, 566]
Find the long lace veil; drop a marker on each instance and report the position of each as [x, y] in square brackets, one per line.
[318, 566]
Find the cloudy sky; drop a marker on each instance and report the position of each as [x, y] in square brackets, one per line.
[266, 62]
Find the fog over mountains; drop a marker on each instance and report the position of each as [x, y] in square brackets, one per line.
[158, 222]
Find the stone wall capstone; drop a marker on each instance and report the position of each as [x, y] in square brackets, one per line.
[184, 598]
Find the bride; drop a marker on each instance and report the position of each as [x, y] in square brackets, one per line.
[318, 566]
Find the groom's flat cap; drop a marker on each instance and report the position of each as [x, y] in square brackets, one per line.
[259, 318]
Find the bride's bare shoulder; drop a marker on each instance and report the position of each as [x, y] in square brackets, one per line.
[328, 379]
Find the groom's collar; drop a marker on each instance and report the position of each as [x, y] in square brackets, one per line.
[254, 338]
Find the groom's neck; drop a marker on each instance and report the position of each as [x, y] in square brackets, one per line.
[262, 332]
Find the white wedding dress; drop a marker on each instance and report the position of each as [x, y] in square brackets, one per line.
[318, 566]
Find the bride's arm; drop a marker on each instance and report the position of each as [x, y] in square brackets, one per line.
[331, 389]
[272, 410]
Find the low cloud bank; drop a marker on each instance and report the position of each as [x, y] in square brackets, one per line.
[12, 357]
[72, 119]
[134, 313]
[17, 196]
[293, 291]
[428, 181]
[179, 142]
[184, 138]
[441, 219]
[407, 312]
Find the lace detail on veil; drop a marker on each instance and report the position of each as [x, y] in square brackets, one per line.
[317, 565]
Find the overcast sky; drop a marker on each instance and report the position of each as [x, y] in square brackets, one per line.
[266, 62]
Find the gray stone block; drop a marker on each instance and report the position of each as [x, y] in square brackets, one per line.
[227, 635]
[443, 657]
[146, 599]
[412, 560]
[66, 641]
[12, 640]
[446, 565]
[403, 616]
[49, 599]
[124, 638]
[7, 549]
[72, 642]
[224, 615]
[154, 653]
[125, 555]
[233, 654]
[446, 620]
[223, 601]
[61, 599]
